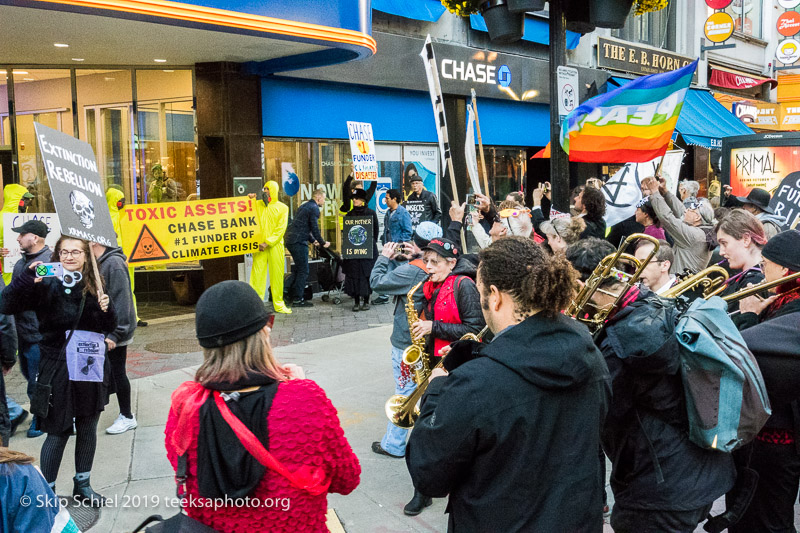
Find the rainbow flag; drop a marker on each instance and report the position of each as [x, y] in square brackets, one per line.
[631, 124]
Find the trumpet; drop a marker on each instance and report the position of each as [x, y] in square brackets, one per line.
[712, 280]
[755, 289]
[402, 410]
[581, 306]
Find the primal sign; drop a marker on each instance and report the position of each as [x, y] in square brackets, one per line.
[15, 220]
[786, 200]
[187, 231]
[357, 237]
[362, 146]
[76, 186]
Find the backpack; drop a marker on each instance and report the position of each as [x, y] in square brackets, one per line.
[726, 398]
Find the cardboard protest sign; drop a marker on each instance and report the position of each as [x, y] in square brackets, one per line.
[186, 231]
[362, 146]
[357, 237]
[75, 184]
[786, 200]
[15, 220]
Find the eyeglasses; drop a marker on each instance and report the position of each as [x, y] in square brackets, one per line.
[70, 253]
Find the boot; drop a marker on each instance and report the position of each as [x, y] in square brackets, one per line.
[83, 492]
[417, 504]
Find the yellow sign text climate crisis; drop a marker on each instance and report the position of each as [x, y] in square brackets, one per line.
[187, 231]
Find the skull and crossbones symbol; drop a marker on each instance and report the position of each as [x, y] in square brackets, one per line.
[149, 246]
[83, 207]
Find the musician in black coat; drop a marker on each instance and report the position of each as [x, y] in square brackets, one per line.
[512, 435]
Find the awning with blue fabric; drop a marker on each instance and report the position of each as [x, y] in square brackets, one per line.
[703, 121]
[425, 10]
[536, 30]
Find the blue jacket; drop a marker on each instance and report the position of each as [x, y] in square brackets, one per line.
[304, 227]
[397, 225]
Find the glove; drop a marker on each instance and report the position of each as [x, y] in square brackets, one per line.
[461, 352]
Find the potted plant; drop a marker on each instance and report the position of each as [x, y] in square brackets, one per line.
[503, 25]
[646, 6]
[609, 13]
[522, 6]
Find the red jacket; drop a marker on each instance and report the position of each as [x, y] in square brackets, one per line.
[303, 430]
[455, 309]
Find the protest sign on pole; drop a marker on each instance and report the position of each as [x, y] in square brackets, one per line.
[362, 147]
[187, 231]
[76, 186]
[15, 220]
[469, 152]
[786, 200]
[357, 237]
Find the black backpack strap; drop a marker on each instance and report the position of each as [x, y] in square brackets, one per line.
[653, 456]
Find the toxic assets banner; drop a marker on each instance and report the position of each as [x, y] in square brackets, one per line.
[188, 231]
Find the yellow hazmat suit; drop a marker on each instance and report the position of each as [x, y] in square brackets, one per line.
[12, 194]
[114, 196]
[273, 220]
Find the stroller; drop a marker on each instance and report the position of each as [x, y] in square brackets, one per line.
[330, 275]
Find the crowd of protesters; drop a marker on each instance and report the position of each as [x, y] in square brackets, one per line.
[514, 427]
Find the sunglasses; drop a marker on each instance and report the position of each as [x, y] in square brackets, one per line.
[511, 212]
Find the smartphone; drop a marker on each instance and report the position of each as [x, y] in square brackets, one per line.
[470, 199]
[546, 188]
[49, 270]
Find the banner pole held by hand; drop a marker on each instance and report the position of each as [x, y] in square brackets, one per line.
[480, 144]
[96, 273]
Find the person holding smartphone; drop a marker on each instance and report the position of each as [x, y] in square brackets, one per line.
[68, 306]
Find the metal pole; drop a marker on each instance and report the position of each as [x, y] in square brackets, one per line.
[559, 163]
[480, 145]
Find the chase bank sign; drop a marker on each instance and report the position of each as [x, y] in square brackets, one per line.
[475, 72]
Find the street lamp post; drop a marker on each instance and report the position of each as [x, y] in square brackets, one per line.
[559, 162]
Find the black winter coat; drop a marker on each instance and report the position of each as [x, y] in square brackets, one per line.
[512, 436]
[648, 407]
[8, 357]
[27, 323]
[595, 227]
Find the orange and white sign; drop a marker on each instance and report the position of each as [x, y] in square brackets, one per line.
[719, 27]
[362, 146]
[788, 23]
[788, 51]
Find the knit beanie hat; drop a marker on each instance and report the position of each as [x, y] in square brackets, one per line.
[425, 232]
[784, 250]
[228, 312]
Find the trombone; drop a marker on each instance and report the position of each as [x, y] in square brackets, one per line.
[402, 410]
[755, 289]
[609, 268]
[712, 280]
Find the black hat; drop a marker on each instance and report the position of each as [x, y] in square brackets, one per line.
[444, 247]
[359, 194]
[647, 208]
[228, 312]
[759, 198]
[413, 178]
[37, 227]
[784, 250]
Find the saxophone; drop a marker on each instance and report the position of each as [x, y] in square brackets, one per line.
[415, 356]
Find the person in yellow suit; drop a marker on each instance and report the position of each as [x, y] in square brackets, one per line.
[270, 260]
[116, 201]
[16, 199]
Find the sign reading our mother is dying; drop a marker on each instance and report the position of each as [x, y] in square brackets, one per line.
[357, 240]
[76, 186]
[362, 146]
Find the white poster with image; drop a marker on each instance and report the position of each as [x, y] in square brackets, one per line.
[15, 220]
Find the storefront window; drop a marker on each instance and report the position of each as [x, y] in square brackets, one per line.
[105, 118]
[43, 96]
[652, 28]
[506, 171]
[746, 15]
[165, 147]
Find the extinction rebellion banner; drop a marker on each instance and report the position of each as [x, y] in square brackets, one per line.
[187, 231]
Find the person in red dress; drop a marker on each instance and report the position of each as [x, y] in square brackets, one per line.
[290, 416]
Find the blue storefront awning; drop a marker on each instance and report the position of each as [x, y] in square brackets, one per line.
[425, 10]
[536, 30]
[703, 121]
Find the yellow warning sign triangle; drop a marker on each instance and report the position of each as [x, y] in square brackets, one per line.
[147, 248]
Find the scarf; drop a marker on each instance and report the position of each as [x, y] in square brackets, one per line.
[787, 292]
[224, 466]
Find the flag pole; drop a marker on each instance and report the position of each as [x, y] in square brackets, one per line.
[480, 144]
